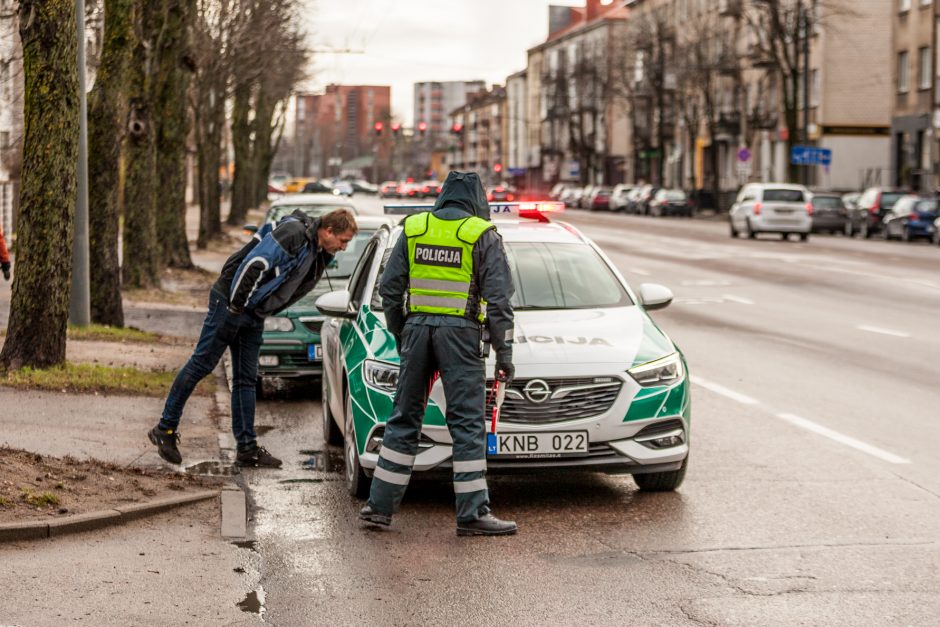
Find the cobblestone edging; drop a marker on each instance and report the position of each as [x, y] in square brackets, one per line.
[35, 529]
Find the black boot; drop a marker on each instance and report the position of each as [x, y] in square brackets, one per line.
[368, 515]
[166, 444]
[486, 525]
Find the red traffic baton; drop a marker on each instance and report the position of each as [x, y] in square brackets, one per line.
[500, 392]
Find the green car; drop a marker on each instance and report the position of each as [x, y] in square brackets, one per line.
[599, 386]
[291, 345]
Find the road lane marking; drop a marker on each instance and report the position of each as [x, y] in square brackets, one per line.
[891, 332]
[826, 432]
[723, 391]
[640, 272]
[706, 283]
[738, 299]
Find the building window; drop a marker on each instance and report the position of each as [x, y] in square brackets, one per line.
[904, 5]
[814, 88]
[902, 72]
[4, 140]
[925, 72]
[926, 3]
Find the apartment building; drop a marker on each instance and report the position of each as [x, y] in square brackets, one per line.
[480, 144]
[436, 99]
[915, 99]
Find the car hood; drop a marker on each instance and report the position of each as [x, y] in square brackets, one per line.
[619, 335]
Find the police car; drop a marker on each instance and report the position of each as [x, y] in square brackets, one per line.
[599, 386]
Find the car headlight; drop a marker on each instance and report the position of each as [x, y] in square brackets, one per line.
[278, 323]
[665, 371]
[380, 375]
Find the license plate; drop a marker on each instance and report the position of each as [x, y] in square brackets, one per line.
[314, 352]
[539, 444]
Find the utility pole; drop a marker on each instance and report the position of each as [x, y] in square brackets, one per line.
[80, 300]
[803, 24]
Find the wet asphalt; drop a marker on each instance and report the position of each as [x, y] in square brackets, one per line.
[812, 495]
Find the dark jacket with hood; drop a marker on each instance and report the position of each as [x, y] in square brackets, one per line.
[276, 268]
[461, 196]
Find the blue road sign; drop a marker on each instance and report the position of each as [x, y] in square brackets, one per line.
[810, 155]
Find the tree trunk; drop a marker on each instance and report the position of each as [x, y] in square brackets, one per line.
[267, 137]
[141, 268]
[106, 118]
[40, 301]
[172, 126]
[242, 180]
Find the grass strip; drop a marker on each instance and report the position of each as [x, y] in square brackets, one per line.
[91, 378]
[112, 334]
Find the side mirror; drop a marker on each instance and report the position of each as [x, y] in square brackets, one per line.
[335, 304]
[655, 296]
[250, 228]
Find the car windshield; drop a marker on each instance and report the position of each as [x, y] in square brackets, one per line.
[783, 195]
[927, 205]
[827, 202]
[674, 195]
[314, 211]
[889, 198]
[561, 276]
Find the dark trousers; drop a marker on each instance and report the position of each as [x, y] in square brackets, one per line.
[454, 351]
[244, 348]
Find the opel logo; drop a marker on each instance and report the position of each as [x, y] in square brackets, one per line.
[537, 391]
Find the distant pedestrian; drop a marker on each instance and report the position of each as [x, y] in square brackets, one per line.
[269, 274]
[4, 257]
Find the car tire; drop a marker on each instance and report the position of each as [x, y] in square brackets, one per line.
[666, 481]
[331, 432]
[936, 237]
[847, 230]
[357, 483]
[751, 233]
[734, 231]
[804, 237]
[865, 231]
[906, 234]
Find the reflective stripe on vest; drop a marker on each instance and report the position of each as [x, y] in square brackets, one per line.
[440, 261]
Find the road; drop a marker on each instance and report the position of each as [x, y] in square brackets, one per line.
[813, 493]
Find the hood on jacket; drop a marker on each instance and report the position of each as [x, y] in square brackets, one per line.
[311, 224]
[464, 190]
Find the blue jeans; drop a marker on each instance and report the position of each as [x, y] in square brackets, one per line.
[209, 350]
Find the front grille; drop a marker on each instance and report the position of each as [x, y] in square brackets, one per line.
[590, 396]
[313, 325]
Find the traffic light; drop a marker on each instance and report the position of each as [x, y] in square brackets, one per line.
[422, 127]
[378, 128]
[497, 167]
[396, 127]
[457, 129]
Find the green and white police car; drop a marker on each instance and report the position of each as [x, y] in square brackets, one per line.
[599, 386]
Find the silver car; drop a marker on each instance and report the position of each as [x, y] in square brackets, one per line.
[772, 208]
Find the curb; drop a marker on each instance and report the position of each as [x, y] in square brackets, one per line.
[33, 530]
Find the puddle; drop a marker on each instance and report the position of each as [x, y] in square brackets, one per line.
[323, 461]
[212, 468]
[254, 602]
[301, 481]
[246, 544]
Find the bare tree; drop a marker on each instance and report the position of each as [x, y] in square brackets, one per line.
[106, 123]
[39, 306]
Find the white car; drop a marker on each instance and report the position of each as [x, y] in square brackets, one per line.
[598, 385]
[781, 208]
[618, 197]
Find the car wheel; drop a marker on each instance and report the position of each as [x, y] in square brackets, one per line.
[784, 236]
[331, 432]
[751, 233]
[936, 237]
[661, 481]
[734, 231]
[847, 230]
[865, 231]
[906, 234]
[804, 237]
[357, 483]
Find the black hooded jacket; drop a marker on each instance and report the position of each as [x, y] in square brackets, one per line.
[461, 196]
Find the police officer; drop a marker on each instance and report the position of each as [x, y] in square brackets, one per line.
[451, 265]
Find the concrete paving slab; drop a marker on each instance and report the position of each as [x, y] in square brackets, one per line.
[234, 514]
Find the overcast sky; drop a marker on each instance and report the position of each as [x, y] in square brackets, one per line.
[411, 41]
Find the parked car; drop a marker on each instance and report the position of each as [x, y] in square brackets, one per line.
[633, 200]
[343, 188]
[598, 385]
[311, 204]
[388, 189]
[571, 196]
[772, 208]
[868, 216]
[618, 197]
[316, 187]
[410, 190]
[641, 205]
[670, 202]
[829, 213]
[296, 185]
[585, 198]
[558, 189]
[911, 217]
[291, 341]
[431, 189]
[364, 187]
[600, 198]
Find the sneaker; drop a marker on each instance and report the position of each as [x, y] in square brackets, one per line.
[367, 514]
[257, 457]
[166, 444]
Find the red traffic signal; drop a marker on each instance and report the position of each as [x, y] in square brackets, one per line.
[396, 127]
[378, 128]
[497, 167]
[457, 129]
[422, 126]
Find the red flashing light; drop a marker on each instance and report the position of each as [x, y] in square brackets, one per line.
[409, 180]
[537, 210]
[757, 207]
